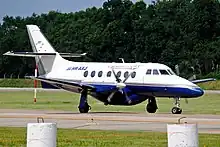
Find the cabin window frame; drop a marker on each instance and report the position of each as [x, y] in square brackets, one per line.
[100, 73]
[93, 75]
[86, 73]
[109, 73]
[133, 74]
[126, 74]
[118, 74]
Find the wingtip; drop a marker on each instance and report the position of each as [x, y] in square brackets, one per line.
[8, 53]
[83, 54]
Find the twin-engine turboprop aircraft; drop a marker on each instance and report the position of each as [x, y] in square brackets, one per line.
[111, 83]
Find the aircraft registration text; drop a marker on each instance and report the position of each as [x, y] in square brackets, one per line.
[77, 68]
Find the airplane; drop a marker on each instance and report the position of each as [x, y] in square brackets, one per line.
[125, 84]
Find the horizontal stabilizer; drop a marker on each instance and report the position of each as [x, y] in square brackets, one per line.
[34, 54]
[203, 80]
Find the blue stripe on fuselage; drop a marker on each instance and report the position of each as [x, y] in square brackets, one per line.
[159, 91]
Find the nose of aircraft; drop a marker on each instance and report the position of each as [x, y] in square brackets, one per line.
[197, 92]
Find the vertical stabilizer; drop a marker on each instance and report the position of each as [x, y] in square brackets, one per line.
[40, 44]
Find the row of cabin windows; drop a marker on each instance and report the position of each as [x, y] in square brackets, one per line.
[156, 72]
[126, 74]
[109, 73]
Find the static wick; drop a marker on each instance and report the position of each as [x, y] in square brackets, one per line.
[180, 119]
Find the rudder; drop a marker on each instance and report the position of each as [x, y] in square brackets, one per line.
[40, 44]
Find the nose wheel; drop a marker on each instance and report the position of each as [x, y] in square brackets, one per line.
[176, 109]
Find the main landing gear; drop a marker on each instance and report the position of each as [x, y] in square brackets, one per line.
[152, 105]
[83, 105]
[176, 109]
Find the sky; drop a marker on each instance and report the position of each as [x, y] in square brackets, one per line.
[25, 8]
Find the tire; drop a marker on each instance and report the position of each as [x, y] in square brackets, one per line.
[176, 110]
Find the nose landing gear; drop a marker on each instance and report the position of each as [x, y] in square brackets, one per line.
[176, 109]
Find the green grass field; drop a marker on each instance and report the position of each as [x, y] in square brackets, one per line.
[207, 104]
[87, 138]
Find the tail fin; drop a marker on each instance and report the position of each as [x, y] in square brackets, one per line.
[41, 45]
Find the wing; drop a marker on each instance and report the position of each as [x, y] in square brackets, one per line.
[203, 80]
[66, 84]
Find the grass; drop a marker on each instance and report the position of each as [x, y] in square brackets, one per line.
[214, 85]
[87, 138]
[207, 104]
[18, 83]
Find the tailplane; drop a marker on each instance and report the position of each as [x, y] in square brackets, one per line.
[40, 44]
[45, 55]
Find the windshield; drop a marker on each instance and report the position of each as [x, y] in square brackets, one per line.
[171, 72]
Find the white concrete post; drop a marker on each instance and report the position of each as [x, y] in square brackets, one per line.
[41, 134]
[182, 135]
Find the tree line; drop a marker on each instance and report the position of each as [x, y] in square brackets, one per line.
[183, 32]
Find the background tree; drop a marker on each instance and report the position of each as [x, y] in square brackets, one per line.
[182, 32]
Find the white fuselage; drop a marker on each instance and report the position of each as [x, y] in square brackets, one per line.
[147, 75]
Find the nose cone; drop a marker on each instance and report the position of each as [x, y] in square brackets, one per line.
[197, 92]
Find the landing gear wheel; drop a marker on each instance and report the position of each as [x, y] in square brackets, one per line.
[150, 108]
[85, 109]
[152, 105]
[176, 110]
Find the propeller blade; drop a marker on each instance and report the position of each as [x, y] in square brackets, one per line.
[186, 101]
[117, 79]
[111, 95]
[127, 98]
[127, 77]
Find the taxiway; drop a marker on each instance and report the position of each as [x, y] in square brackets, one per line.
[108, 120]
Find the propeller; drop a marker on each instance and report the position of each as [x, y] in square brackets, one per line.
[119, 86]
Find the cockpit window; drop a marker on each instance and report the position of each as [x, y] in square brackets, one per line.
[163, 72]
[170, 72]
[148, 72]
[155, 72]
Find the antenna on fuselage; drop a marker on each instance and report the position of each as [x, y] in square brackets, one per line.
[122, 59]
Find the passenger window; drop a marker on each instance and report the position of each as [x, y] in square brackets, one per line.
[148, 72]
[155, 72]
[126, 74]
[85, 73]
[109, 74]
[92, 73]
[163, 72]
[119, 74]
[100, 74]
[133, 74]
